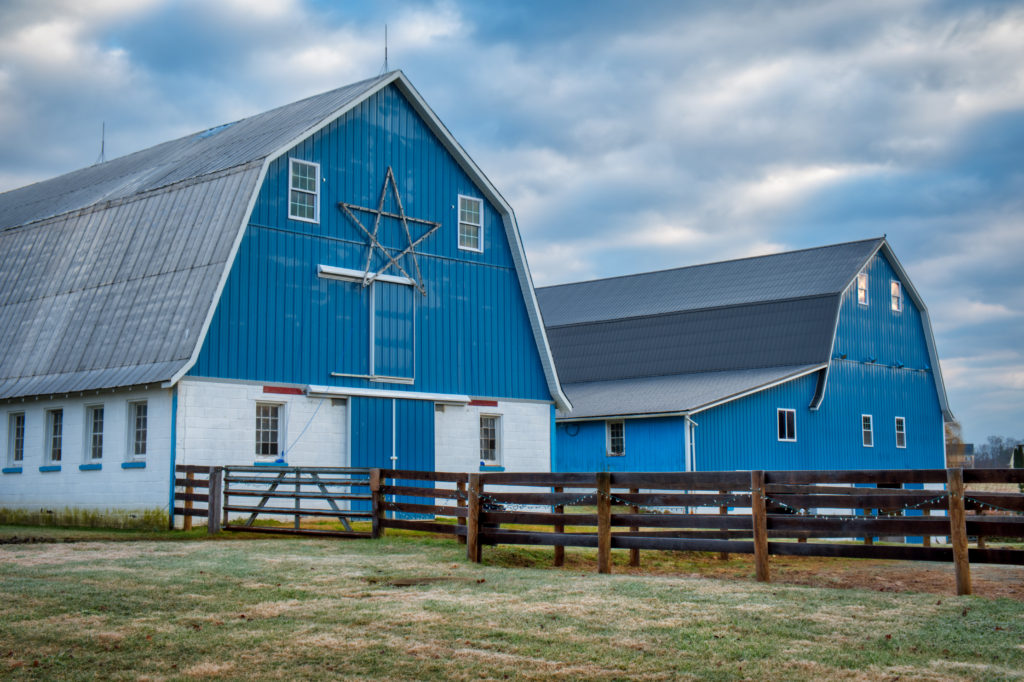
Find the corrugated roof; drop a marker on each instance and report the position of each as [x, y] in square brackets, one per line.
[794, 274]
[674, 340]
[107, 274]
[669, 394]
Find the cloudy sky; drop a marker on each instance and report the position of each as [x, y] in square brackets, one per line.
[628, 136]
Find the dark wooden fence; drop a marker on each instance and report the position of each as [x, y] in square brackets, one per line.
[200, 484]
[412, 500]
[298, 492]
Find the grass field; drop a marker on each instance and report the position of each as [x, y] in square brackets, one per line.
[122, 605]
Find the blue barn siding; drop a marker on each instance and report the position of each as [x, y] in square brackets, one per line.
[657, 444]
[743, 434]
[277, 321]
[875, 331]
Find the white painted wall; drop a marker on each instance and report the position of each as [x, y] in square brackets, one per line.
[111, 487]
[525, 436]
[217, 426]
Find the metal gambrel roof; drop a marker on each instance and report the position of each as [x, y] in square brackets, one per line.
[677, 340]
[109, 274]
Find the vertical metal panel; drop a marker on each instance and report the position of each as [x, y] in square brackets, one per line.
[393, 329]
[656, 444]
[371, 432]
[874, 332]
[276, 321]
[743, 434]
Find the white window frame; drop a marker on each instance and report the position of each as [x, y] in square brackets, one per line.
[867, 435]
[133, 432]
[897, 423]
[895, 296]
[480, 227]
[498, 439]
[862, 288]
[315, 193]
[778, 413]
[608, 438]
[13, 441]
[279, 431]
[88, 456]
[51, 437]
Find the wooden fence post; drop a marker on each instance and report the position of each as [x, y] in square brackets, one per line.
[461, 503]
[958, 530]
[187, 522]
[759, 519]
[634, 552]
[604, 522]
[377, 503]
[473, 552]
[559, 528]
[214, 501]
[723, 510]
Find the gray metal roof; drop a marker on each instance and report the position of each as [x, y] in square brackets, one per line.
[674, 340]
[795, 274]
[108, 274]
[670, 394]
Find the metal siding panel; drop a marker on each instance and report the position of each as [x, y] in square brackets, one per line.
[472, 330]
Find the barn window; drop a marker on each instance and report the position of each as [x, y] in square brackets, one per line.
[490, 440]
[304, 191]
[94, 432]
[16, 438]
[901, 432]
[54, 434]
[862, 288]
[616, 439]
[896, 293]
[471, 224]
[268, 420]
[138, 425]
[867, 431]
[787, 424]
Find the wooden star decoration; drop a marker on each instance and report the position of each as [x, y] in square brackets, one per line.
[374, 243]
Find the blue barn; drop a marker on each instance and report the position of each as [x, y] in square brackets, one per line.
[816, 359]
[330, 283]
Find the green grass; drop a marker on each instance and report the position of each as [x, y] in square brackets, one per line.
[257, 607]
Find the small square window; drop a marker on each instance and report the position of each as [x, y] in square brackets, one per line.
[490, 440]
[268, 430]
[901, 432]
[896, 292]
[862, 288]
[304, 191]
[867, 431]
[471, 224]
[54, 435]
[616, 439]
[787, 424]
[138, 429]
[16, 438]
[94, 433]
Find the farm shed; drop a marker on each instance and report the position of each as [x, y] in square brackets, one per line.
[815, 359]
[330, 283]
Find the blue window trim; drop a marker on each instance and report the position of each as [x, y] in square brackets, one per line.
[49, 468]
[491, 468]
[270, 464]
[12, 470]
[90, 467]
[133, 465]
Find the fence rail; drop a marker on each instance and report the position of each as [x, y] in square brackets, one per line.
[188, 479]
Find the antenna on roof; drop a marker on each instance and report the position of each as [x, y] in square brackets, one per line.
[385, 48]
[103, 144]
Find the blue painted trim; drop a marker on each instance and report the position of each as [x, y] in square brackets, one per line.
[491, 468]
[90, 467]
[12, 470]
[270, 464]
[174, 452]
[50, 467]
[133, 465]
